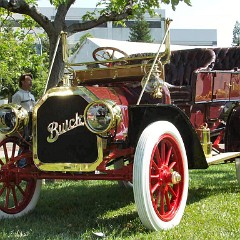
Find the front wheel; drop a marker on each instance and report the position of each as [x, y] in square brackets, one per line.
[160, 176]
[17, 196]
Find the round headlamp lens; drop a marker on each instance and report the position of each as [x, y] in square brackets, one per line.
[7, 120]
[12, 118]
[98, 117]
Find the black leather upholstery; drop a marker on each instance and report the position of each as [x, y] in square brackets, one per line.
[184, 63]
[227, 58]
[182, 72]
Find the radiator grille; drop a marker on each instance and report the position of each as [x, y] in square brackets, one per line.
[77, 145]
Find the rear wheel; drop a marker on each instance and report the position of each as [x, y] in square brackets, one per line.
[118, 165]
[17, 196]
[237, 165]
[160, 176]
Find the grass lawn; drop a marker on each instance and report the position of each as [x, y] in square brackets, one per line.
[76, 210]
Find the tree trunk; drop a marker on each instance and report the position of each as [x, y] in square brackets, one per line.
[57, 70]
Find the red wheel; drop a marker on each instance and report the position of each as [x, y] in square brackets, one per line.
[160, 176]
[17, 196]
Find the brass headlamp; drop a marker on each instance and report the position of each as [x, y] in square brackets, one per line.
[102, 116]
[12, 118]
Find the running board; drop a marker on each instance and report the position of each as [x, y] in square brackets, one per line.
[221, 157]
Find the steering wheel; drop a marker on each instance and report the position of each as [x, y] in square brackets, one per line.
[108, 53]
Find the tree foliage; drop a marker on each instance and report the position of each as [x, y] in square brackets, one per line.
[112, 10]
[18, 54]
[140, 31]
[82, 40]
[236, 34]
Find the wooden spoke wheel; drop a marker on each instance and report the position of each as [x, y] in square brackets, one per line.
[17, 196]
[160, 176]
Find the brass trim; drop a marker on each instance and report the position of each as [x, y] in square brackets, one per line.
[65, 167]
[21, 114]
[114, 110]
[204, 136]
[72, 167]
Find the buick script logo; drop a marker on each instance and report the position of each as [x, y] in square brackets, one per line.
[56, 129]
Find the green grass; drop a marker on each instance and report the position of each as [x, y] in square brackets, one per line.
[76, 210]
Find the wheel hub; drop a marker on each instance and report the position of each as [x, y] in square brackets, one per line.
[176, 177]
[167, 176]
[7, 176]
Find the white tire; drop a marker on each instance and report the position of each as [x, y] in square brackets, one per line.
[14, 211]
[17, 196]
[160, 161]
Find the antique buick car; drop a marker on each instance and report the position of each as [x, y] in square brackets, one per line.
[142, 120]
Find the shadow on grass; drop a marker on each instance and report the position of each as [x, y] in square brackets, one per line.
[75, 211]
[216, 180]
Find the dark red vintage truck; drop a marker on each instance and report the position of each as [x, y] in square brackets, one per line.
[142, 120]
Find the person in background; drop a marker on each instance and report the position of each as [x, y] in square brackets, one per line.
[23, 96]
